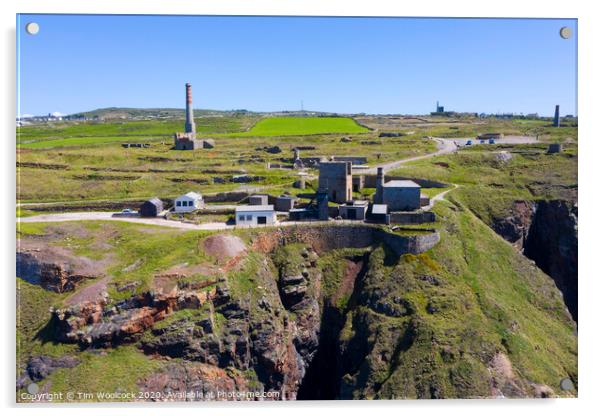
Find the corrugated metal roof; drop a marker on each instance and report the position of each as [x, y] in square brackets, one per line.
[379, 208]
[249, 208]
[401, 184]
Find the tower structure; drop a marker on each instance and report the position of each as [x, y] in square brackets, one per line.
[380, 182]
[189, 126]
[557, 116]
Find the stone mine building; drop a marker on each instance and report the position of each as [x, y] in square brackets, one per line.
[401, 195]
[397, 195]
[335, 179]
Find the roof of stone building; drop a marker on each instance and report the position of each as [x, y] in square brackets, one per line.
[401, 184]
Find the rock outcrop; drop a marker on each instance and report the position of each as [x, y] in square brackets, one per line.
[96, 323]
[57, 275]
[41, 366]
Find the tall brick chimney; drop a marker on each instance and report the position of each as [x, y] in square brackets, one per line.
[189, 127]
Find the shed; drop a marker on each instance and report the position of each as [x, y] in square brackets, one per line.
[380, 214]
[285, 203]
[188, 202]
[355, 210]
[258, 200]
[253, 215]
[151, 208]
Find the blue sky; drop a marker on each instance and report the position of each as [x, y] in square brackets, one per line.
[373, 65]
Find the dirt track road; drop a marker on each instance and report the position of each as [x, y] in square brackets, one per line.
[108, 216]
[444, 146]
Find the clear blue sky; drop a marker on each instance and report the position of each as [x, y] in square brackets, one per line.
[373, 65]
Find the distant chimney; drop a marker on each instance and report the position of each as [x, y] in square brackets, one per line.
[557, 116]
[189, 127]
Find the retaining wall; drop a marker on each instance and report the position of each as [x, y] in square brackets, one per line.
[330, 237]
[412, 217]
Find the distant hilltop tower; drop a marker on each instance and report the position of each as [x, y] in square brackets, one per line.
[557, 116]
[189, 127]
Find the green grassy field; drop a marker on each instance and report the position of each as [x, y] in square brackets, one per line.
[98, 168]
[85, 161]
[298, 126]
[98, 132]
[489, 186]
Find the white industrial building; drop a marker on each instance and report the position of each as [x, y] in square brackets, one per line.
[188, 202]
[253, 215]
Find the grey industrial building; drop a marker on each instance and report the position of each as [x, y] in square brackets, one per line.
[258, 200]
[398, 195]
[284, 203]
[335, 180]
[354, 210]
[401, 195]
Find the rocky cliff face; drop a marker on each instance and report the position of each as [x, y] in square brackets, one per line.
[552, 244]
[314, 316]
[515, 227]
[546, 232]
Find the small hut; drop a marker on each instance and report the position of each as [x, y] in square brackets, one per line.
[151, 208]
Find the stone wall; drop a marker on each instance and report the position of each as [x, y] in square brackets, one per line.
[330, 237]
[412, 217]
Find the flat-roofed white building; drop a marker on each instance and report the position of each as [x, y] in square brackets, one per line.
[254, 215]
[188, 202]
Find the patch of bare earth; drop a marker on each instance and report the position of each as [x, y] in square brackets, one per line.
[89, 293]
[224, 246]
[167, 281]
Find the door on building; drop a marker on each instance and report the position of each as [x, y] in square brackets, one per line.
[262, 220]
